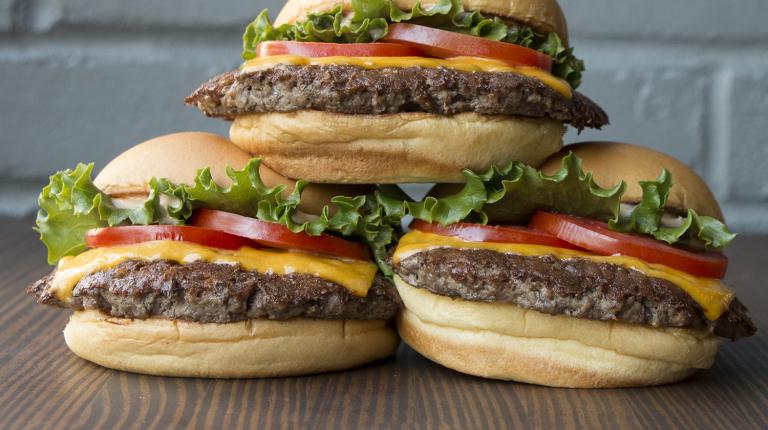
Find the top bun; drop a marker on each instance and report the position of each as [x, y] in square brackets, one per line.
[177, 157]
[612, 162]
[544, 16]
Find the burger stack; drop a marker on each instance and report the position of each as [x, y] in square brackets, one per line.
[329, 114]
[167, 274]
[285, 251]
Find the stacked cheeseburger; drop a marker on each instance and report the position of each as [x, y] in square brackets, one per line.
[379, 91]
[587, 267]
[376, 91]
[186, 257]
[569, 284]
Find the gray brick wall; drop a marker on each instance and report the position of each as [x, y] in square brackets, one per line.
[82, 80]
[165, 13]
[689, 77]
[6, 14]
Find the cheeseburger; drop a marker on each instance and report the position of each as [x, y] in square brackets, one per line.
[396, 91]
[542, 276]
[185, 257]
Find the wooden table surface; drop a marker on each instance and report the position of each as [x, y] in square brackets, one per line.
[43, 385]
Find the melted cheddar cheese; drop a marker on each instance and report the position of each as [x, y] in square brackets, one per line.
[464, 64]
[354, 275]
[711, 294]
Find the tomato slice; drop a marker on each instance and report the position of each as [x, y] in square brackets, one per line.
[492, 233]
[446, 44]
[597, 237]
[321, 49]
[277, 235]
[126, 235]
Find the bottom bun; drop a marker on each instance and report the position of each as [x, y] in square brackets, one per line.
[503, 341]
[254, 348]
[326, 147]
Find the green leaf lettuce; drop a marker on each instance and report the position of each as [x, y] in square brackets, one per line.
[510, 195]
[646, 218]
[370, 20]
[71, 204]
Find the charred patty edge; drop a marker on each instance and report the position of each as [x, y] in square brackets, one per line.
[574, 287]
[218, 293]
[355, 90]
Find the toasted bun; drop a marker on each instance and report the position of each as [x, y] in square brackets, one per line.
[611, 162]
[255, 348]
[177, 157]
[503, 341]
[397, 148]
[544, 16]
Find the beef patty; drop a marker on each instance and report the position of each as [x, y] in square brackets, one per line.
[573, 287]
[219, 293]
[355, 90]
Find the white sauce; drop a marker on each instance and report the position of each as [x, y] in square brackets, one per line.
[667, 220]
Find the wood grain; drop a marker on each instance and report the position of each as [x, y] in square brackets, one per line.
[43, 385]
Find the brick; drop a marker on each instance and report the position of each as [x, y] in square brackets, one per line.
[148, 13]
[41, 15]
[64, 113]
[748, 161]
[663, 18]
[86, 114]
[86, 99]
[710, 19]
[746, 217]
[660, 107]
[6, 15]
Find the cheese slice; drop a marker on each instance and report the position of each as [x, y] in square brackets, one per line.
[711, 294]
[464, 64]
[354, 275]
